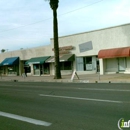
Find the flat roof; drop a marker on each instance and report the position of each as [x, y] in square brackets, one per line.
[94, 30]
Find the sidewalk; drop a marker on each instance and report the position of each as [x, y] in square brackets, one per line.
[89, 78]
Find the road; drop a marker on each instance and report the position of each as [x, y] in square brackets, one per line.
[63, 106]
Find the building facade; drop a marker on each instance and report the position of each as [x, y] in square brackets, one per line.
[103, 51]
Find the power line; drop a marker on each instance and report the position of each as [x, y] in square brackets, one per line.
[26, 25]
[80, 8]
[51, 17]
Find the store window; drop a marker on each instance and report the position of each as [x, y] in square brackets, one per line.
[66, 65]
[84, 64]
[88, 63]
[36, 69]
[46, 68]
[12, 69]
[1, 70]
[36, 66]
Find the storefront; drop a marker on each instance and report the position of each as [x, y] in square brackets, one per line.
[66, 63]
[10, 66]
[115, 60]
[37, 66]
[87, 64]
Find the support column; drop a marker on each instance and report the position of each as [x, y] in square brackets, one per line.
[32, 69]
[20, 67]
[101, 64]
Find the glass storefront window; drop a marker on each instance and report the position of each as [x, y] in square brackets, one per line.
[1, 70]
[36, 66]
[86, 63]
[40, 69]
[36, 69]
[66, 65]
[46, 68]
[11, 69]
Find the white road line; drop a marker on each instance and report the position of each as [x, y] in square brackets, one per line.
[25, 119]
[77, 98]
[96, 89]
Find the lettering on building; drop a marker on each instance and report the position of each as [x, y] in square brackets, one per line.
[65, 49]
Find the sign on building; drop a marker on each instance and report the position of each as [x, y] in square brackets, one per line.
[85, 46]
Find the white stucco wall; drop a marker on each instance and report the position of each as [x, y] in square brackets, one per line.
[114, 37]
[26, 54]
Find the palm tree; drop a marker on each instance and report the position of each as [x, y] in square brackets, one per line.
[54, 6]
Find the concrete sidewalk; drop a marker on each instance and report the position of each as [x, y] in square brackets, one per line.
[89, 78]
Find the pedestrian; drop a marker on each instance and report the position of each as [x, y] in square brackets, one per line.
[25, 71]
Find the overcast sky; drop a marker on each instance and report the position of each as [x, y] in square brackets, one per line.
[28, 23]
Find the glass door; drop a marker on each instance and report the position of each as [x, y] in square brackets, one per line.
[36, 69]
[121, 64]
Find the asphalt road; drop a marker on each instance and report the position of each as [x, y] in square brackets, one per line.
[63, 106]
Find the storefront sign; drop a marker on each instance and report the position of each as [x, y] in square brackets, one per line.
[5, 63]
[64, 50]
[33, 62]
[85, 46]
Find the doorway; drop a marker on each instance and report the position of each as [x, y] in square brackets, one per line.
[121, 64]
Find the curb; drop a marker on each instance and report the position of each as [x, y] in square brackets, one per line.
[63, 81]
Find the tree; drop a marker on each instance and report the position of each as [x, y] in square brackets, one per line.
[54, 7]
[3, 50]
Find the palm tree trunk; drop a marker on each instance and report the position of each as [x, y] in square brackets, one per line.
[56, 45]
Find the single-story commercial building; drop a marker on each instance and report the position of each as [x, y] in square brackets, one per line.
[100, 51]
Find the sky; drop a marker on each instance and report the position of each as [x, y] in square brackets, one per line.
[29, 23]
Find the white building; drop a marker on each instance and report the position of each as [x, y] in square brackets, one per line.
[105, 50]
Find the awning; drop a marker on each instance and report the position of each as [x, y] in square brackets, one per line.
[63, 58]
[10, 61]
[115, 52]
[37, 60]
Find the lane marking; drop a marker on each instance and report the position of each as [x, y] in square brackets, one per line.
[78, 98]
[25, 119]
[96, 89]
